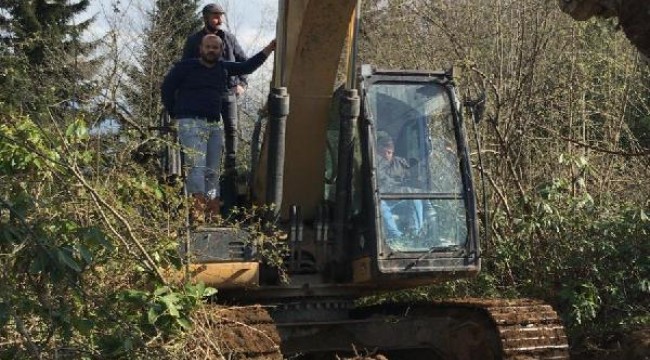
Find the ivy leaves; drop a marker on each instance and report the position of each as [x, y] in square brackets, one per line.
[167, 310]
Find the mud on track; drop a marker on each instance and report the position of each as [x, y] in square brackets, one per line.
[222, 332]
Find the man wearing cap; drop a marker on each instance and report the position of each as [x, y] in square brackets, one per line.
[213, 16]
[190, 93]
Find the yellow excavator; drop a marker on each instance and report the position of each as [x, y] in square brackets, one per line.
[352, 233]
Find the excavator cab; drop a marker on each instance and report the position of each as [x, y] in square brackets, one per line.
[434, 203]
[420, 225]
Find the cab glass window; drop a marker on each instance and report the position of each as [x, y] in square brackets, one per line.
[418, 170]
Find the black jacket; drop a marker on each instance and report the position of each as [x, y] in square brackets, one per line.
[192, 89]
[231, 52]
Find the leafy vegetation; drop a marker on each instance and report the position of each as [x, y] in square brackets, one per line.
[589, 260]
[87, 233]
[564, 149]
[84, 238]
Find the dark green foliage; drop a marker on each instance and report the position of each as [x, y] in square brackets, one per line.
[591, 261]
[37, 27]
[49, 62]
[79, 231]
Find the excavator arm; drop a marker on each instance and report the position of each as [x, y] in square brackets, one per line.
[314, 34]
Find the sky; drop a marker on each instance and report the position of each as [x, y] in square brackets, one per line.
[252, 21]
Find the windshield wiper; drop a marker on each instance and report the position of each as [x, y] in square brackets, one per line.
[459, 252]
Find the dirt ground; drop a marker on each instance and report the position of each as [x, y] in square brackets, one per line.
[634, 345]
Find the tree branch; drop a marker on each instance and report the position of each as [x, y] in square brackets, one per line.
[557, 135]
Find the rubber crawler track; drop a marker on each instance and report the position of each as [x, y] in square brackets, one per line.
[527, 329]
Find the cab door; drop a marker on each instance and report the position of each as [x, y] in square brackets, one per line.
[421, 205]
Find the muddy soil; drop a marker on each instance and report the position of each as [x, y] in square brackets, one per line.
[233, 333]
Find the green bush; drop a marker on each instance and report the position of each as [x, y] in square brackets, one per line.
[590, 260]
[84, 234]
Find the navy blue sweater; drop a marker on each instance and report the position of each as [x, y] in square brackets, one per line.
[192, 89]
[231, 51]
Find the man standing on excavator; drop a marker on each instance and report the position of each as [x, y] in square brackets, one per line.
[213, 18]
[191, 94]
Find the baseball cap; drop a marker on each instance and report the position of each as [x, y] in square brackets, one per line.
[212, 9]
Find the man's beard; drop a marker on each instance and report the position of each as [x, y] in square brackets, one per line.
[209, 58]
[211, 28]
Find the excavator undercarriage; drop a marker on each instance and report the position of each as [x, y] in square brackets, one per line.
[450, 329]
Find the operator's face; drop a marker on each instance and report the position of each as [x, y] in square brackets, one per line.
[214, 20]
[387, 152]
[210, 49]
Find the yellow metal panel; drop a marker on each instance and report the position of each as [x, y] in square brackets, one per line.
[361, 270]
[295, 13]
[316, 34]
[226, 275]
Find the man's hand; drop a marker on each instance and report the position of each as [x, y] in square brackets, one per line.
[268, 49]
[239, 90]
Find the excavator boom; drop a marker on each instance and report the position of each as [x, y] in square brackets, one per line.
[315, 35]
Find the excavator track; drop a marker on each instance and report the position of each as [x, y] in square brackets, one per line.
[528, 329]
[450, 329]
[233, 332]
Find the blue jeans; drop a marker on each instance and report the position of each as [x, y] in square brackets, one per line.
[411, 209]
[202, 144]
